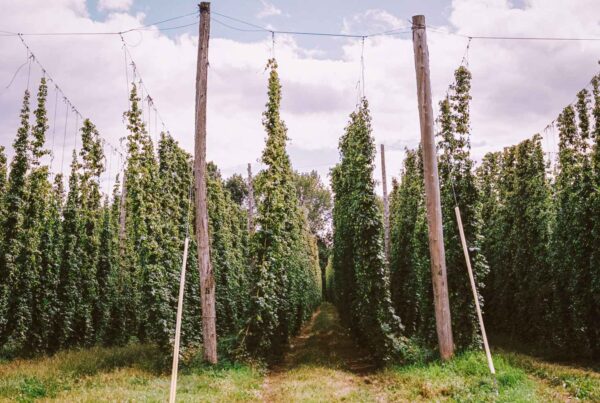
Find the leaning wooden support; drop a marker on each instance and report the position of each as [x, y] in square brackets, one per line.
[463, 240]
[178, 324]
[437, 252]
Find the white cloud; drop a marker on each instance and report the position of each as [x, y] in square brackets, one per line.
[518, 87]
[268, 10]
[373, 21]
[114, 5]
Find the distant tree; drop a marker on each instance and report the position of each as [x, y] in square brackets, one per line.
[315, 199]
[237, 187]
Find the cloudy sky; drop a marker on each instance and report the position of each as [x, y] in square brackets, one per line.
[518, 86]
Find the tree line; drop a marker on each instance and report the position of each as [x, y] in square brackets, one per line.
[78, 268]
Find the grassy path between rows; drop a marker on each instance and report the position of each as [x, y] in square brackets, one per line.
[323, 365]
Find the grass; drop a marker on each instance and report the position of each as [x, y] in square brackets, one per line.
[131, 373]
[581, 383]
[466, 379]
[323, 365]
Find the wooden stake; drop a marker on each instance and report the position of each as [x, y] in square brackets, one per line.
[386, 208]
[250, 201]
[173, 391]
[207, 281]
[432, 191]
[463, 240]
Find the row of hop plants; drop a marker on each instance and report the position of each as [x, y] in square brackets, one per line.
[79, 269]
[389, 305]
[533, 233]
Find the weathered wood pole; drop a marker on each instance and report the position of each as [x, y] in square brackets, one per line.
[250, 201]
[173, 390]
[386, 208]
[463, 241]
[207, 280]
[432, 191]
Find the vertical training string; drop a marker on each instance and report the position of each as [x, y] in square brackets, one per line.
[127, 83]
[465, 59]
[54, 127]
[29, 68]
[362, 65]
[62, 162]
[76, 128]
[155, 121]
[272, 44]
[108, 172]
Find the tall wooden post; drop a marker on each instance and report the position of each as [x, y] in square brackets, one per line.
[250, 201]
[207, 281]
[386, 208]
[432, 191]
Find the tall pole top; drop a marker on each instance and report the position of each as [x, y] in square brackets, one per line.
[204, 6]
[418, 21]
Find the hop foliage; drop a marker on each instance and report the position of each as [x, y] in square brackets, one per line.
[361, 278]
[286, 276]
[541, 235]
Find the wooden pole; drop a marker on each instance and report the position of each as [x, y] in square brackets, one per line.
[386, 208]
[432, 191]
[173, 391]
[207, 281]
[463, 240]
[250, 201]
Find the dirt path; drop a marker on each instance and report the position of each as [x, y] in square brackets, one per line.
[323, 364]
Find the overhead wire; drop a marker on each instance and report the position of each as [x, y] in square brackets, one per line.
[69, 104]
[140, 28]
[142, 84]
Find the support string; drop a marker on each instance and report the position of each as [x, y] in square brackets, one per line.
[272, 44]
[76, 130]
[62, 161]
[362, 65]
[54, 126]
[29, 71]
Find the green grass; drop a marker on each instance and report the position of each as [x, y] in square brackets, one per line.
[582, 383]
[466, 379]
[323, 365]
[131, 373]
